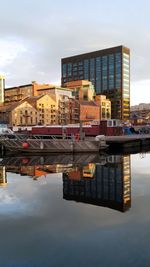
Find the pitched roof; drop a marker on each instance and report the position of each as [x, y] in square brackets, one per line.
[32, 100]
[10, 107]
[16, 87]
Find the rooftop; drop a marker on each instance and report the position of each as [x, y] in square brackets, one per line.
[98, 52]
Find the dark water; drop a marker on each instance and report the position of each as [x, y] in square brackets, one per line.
[97, 213]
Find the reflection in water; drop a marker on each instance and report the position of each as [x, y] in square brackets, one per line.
[103, 185]
[100, 180]
[3, 177]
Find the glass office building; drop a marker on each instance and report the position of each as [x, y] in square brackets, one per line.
[109, 72]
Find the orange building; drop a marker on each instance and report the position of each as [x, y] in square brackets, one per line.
[82, 89]
[18, 93]
[89, 111]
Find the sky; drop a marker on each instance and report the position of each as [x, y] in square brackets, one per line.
[36, 34]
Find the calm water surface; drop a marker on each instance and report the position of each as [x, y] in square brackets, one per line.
[82, 211]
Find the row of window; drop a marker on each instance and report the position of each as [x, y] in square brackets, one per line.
[104, 72]
[88, 65]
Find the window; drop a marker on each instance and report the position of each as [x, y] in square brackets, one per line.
[98, 75]
[118, 70]
[64, 72]
[111, 72]
[86, 69]
[69, 69]
[104, 73]
[92, 71]
[85, 97]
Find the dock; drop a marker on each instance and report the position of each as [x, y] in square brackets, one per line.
[128, 141]
[30, 145]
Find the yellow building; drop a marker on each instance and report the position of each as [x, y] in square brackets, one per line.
[62, 98]
[31, 111]
[105, 107]
[21, 113]
[46, 107]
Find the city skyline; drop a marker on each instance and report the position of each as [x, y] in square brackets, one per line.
[32, 43]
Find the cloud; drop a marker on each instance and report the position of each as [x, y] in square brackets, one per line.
[9, 50]
[33, 42]
[140, 92]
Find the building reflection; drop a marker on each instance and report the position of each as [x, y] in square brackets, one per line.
[107, 185]
[3, 176]
[104, 183]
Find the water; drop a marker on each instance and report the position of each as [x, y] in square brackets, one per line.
[96, 213]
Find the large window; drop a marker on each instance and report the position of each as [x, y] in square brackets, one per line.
[92, 71]
[75, 70]
[118, 70]
[98, 75]
[69, 69]
[86, 69]
[111, 72]
[64, 72]
[104, 73]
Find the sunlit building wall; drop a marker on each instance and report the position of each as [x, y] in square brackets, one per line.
[2, 88]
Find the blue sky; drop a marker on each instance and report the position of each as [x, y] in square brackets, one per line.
[36, 34]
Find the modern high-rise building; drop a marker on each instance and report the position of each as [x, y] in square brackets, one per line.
[2, 87]
[109, 72]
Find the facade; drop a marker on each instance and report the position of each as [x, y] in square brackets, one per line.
[74, 111]
[62, 98]
[105, 107]
[15, 94]
[18, 93]
[63, 110]
[82, 89]
[19, 114]
[89, 111]
[58, 91]
[109, 72]
[2, 87]
[40, 110]
[46, 107]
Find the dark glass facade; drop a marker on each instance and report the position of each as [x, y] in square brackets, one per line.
[109, 72]
[108, 185]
